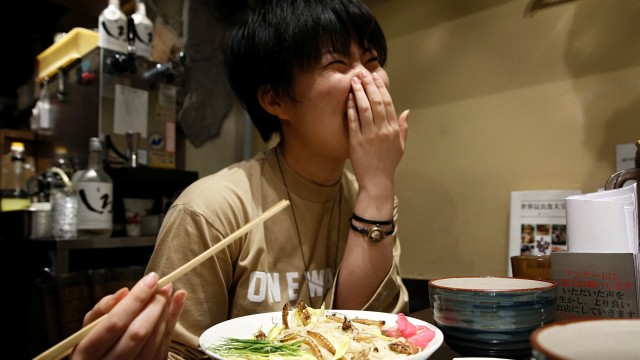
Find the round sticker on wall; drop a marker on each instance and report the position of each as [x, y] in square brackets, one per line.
[156, 141]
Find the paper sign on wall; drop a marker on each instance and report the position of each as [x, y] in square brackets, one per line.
[131, 110]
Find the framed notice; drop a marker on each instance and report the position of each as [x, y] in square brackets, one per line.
[538, 222]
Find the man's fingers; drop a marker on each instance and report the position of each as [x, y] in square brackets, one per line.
[175, 309]
[104, 306]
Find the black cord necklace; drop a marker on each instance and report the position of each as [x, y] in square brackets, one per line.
[295, 221]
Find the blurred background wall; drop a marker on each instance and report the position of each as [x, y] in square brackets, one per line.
[505, 95]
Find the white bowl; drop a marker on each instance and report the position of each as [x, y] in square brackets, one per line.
[491, 316]
[587, 339]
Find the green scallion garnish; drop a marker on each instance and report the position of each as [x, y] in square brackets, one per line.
[256, 349]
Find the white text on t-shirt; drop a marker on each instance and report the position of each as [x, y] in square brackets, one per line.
[267, 286]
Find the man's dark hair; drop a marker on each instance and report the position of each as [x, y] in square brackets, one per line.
[276, 37]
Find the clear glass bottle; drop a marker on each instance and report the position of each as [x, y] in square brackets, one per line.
[94, 189]
[64, 208]
[14, 194]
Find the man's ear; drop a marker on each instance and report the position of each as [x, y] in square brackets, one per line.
[271, 103]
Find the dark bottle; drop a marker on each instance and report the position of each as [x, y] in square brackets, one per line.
[62, 161]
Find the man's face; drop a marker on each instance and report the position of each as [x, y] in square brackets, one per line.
[317, 117]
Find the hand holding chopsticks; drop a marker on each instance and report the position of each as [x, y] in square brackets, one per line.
[139, 323]
[64, 347]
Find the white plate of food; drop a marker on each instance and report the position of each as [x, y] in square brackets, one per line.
[363, 331]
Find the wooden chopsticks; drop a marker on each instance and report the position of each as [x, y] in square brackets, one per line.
[64, 347]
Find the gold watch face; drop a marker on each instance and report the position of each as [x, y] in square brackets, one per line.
[375, 234]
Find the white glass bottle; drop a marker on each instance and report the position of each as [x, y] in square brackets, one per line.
[112, 28]
[94, 189]
[14, 182]
[143, 30]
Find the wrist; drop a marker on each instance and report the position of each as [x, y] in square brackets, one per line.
[371, 222]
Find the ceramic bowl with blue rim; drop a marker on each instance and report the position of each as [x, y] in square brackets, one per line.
[491, 316]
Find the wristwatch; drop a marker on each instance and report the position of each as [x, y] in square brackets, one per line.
[375, 233]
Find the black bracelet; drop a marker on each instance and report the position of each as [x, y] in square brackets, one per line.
[375, 233]
[372, 222]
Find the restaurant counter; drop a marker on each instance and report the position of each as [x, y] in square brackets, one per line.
[80, 254]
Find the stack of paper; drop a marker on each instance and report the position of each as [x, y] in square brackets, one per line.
[599, 276]
[603, 222]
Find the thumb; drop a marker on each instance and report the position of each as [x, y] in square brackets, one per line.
[403, 124]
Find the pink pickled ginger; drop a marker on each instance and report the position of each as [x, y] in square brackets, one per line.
[419, 335]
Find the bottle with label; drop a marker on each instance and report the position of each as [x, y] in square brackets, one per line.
[112, 28]
[14, 195]
[94, 189]
[143, 30]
